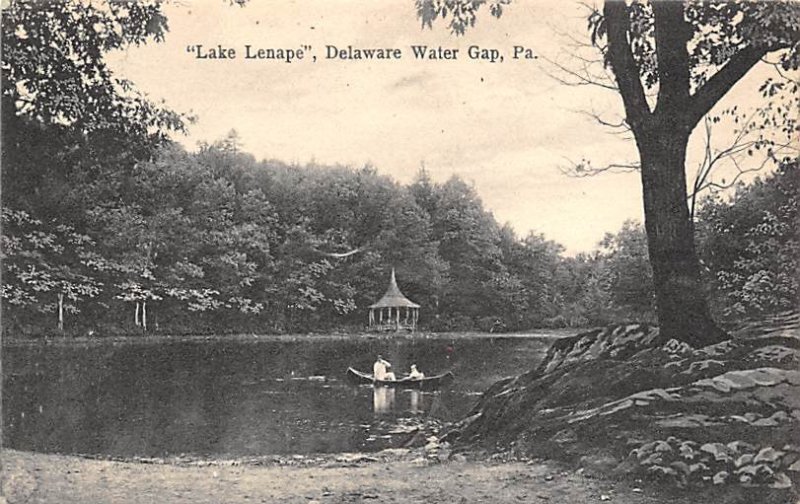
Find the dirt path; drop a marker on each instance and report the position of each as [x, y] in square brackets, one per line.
[38, 478]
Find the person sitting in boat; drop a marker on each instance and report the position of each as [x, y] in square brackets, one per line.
[389, 373]
[381, 368]
[415, 373]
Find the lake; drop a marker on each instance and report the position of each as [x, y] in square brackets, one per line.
[240, 397]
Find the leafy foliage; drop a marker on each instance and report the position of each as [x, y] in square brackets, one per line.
[215, 241]
[40, 262]
[750, 244]
[54, 69]
[462, 13]
[101, 209]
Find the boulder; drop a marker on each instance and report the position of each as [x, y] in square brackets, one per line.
[622, 399]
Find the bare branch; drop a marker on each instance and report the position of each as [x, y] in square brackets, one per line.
[779, 68]
[740, 172]
[584, 168]
[620, 128]
[740, 146]
[339, 255]
[603, 122]
[581, 78]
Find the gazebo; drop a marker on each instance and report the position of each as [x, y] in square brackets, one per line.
[394, 310]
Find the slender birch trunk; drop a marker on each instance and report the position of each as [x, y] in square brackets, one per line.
[61, 311]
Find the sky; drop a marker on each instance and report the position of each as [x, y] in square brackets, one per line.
[507, 127]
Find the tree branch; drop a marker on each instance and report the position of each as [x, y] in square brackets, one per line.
[581, 78]
[584, 168]
[339, 255]
[619, 127]
[741, 146]
[721, 82]
[623, 64]
[672, 34]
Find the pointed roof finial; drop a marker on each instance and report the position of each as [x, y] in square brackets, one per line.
[394, 297]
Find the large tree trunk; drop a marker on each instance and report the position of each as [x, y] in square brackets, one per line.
[681, 305]
[662, 135]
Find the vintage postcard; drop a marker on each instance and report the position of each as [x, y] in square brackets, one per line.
[428, 251]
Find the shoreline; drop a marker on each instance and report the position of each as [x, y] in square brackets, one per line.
[404, 477]
[545, 334]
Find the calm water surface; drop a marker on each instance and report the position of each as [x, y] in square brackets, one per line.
[238, 398]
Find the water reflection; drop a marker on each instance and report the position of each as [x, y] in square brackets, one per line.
[382, 400]
[235, 398]
[416, 401]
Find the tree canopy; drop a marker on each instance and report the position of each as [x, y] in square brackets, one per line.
[54, 67]
[117, 229]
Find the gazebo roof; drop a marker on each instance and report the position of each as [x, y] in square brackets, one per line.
[394, 298]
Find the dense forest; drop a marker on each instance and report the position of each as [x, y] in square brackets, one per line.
[109, 227]
[216, 241]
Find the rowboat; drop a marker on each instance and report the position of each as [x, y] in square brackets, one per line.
[427, 383]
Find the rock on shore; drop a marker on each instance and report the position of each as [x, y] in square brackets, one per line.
[622, 401]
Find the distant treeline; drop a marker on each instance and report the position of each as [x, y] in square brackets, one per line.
[215, 241]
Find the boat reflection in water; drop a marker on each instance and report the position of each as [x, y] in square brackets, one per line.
[382, 400]
[416, 401]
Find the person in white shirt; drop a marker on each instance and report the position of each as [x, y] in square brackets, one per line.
[380, 370]
[415, 373]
